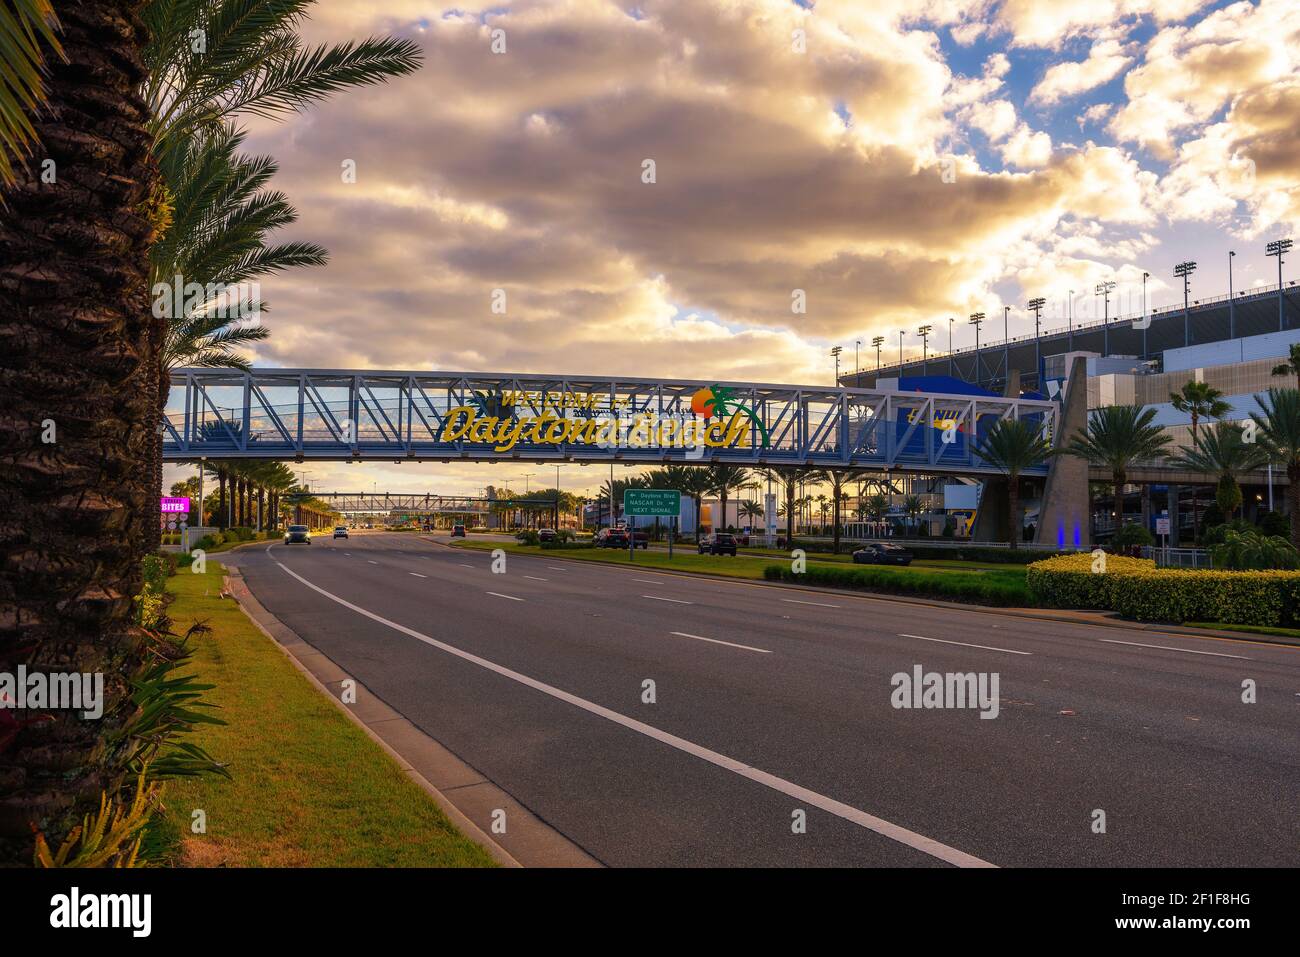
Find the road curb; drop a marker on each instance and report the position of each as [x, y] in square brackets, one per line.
[1036, 614]
[537, 842]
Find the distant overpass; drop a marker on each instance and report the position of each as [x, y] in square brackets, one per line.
[423, 503]
[355, 415]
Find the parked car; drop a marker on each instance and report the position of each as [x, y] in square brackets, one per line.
[722, 543]
[882, 553]
[546, 535]
[297, 535]
[341, 531]
[458, 531]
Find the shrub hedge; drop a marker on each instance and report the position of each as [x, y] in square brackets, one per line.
[1136, 588]
[984, 589]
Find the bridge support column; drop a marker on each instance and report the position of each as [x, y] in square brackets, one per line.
[1064, 518]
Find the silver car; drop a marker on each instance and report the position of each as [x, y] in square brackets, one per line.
[297, 535]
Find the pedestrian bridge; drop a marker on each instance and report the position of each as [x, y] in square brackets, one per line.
[351, 415]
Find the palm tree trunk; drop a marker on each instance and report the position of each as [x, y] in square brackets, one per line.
[1013, 515]
[74, 298]
[835, 533]
[1120, 478]
[1293, 493]
[789, 514]
[221, 499]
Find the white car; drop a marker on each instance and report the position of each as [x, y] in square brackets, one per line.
[341, 532]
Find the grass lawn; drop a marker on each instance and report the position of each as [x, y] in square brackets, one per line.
[310, 788]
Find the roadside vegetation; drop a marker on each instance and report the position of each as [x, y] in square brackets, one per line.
[307, 787]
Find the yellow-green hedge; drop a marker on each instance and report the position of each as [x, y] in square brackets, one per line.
[1137, 589]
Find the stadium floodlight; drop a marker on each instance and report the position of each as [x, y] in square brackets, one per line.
[877, 342]
[1036, 305]
[924, 333]
[976, 320]
[1276, 248]
[1184, 271]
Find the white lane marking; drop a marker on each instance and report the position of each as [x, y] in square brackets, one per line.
[1186, 651]
[536, 579]
[648, 581]
[499, 595]
[819, 604]
[729, 644]
[417, 575]
[967, 644]
[463, 565]
[556, 568]
[349, 554]
[372, 562]
[894, 832]
[675, 601]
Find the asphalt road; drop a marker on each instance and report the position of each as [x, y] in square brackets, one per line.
[769, 701]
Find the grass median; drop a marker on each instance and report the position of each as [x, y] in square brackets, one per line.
[943, 579]
[309, 787]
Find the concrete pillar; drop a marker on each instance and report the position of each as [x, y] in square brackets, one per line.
[1064, 514]
[1146, 506]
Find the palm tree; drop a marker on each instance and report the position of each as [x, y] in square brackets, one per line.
[1292, 364]
[77, 343]
[254, 63]
[724, 477]
[1117, 436]
[1199, 399]
[696, 482]
[1224, 451]
[751, 510]
[789, 478]
[878, 506]
[1279, 434]
[1012, 446]
[839, 478]
[24, 32]
[913, 507]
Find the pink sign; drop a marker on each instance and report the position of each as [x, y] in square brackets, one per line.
[178, 505]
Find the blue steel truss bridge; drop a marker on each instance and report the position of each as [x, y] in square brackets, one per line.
[350, 415]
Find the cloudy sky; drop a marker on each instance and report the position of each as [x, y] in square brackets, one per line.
[899, 161]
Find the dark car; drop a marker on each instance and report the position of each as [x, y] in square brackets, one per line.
[297, 535]
[882, 553]
[458, 531]
[546, 535]
[723, 543]
[610, 538]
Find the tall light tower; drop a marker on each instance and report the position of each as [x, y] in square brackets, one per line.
[1184, 271]
[924, 333]
[976, 320]
[1276, 248]
[877, 342]
[1146, 322]
[950, 322]
[901, 333]
[1037, 304]
[856, 366]
[835, 354]
[1104, 289]
[1006, 343]
[1232, 318]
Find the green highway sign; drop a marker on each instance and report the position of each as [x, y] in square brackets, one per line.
[652, 501]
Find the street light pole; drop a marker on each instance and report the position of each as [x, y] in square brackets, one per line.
[1069, 320]
[1146, 323]
[857, 366]
[976, 319]
[835, 353]
[900, 353]
[877, 341]
[1184, 270]
[1276, 248]
[1006, 343]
